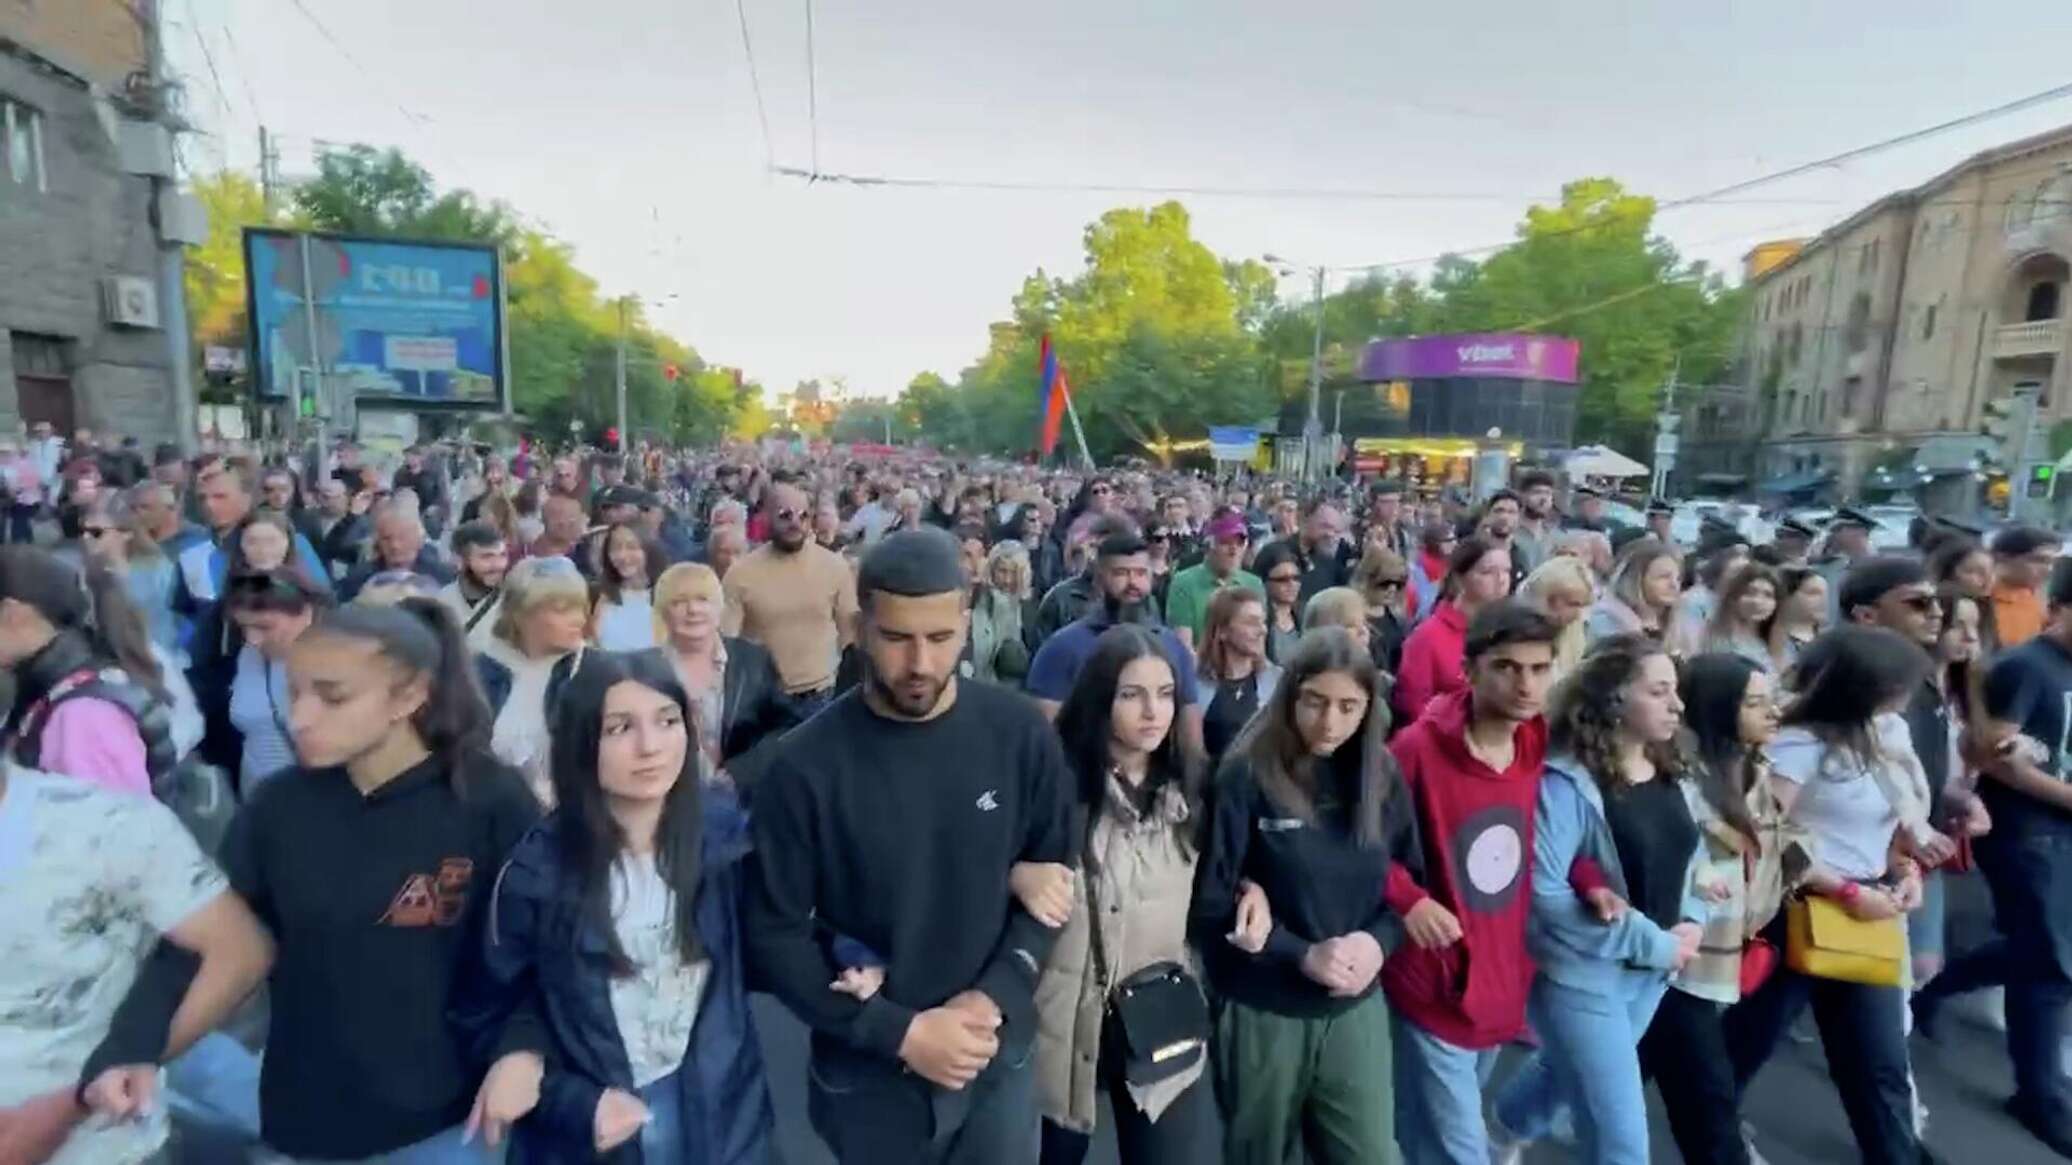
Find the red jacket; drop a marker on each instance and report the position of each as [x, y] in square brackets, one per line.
[1476, 826]
[1433, 662]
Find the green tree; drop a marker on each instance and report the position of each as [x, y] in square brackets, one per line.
[364, 191]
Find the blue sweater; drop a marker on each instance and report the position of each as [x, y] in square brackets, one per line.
[1567, 940]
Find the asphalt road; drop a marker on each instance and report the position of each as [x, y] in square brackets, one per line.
[1963, 1077]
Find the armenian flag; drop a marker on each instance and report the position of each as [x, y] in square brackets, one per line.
[1053, 390]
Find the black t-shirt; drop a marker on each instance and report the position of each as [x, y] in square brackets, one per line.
[1231, 705]
[2031, 686]
[376, 903]
[1655, 836]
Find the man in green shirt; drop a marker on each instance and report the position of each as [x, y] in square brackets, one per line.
[1187, 596]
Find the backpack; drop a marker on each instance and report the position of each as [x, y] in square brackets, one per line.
[197, 792]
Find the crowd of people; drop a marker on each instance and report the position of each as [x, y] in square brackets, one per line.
[452, 814]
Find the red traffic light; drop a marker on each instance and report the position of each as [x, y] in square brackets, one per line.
[671, 372]
[611, 438]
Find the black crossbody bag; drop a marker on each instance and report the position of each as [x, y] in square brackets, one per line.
[1163, 1015]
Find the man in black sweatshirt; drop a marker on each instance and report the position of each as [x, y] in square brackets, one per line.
[892, 819]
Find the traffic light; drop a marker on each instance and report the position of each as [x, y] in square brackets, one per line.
[671, 373]
[2008, 421]
[2040, 477]
[611, 438]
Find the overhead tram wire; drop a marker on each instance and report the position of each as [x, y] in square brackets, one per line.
[1718, 194]
[755, 85]
[244, 76]
[1269, 192]
[338, 46]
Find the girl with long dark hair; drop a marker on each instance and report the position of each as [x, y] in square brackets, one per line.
[1801, 615]
[1309, 806]
[1611, 828]
[371, 863]
[614, 995]
[1967, 567]
[1277, 566]
[1846, 791]
[1233, 658]
[83, 670]
[623, 617]
[1959, 674]
[1139, 803]
[1435, 656]
[1755, 851]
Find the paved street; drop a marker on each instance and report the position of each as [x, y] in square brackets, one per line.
[1963, 1077]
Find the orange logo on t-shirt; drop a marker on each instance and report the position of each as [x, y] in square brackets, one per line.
[431, 899]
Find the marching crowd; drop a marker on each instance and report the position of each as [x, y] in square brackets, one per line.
[453, 814]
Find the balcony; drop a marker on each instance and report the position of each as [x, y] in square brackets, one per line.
[2036, 338]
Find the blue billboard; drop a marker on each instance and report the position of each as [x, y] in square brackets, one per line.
[406, 322]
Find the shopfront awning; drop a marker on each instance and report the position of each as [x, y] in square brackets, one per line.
[1796, 483]
[1947, 454]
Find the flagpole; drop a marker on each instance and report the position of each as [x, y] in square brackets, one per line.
[1072, 410]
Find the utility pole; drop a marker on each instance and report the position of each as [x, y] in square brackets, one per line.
[269, 164]
[619, 377]
[1313, 429]
[1665, 435]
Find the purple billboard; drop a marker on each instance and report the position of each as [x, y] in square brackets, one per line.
[1499, 355]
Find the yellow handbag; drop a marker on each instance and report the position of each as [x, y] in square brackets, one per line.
[1822, 941]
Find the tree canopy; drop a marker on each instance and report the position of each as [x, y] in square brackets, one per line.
[1161, 339]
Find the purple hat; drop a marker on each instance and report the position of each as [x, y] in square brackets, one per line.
[1227, 525]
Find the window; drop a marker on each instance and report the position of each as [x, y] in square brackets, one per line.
[2053, 199]
[2043, 302]
[21, 144]
[1928, 321]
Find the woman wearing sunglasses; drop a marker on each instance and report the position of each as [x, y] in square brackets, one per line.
[1383, 579]
[112, 534]
[1282, 573]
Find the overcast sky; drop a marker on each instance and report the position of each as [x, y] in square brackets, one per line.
[629, 129]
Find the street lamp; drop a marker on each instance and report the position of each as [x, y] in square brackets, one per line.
[1313, 428]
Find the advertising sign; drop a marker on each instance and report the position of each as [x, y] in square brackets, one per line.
[1504, 355]
[1233, 442]
[417, 324]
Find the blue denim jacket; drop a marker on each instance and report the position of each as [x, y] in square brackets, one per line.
[546, 988]
[1567, 940]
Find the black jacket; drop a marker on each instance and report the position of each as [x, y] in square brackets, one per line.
[341, 549]
[757, 713]
[547, 989]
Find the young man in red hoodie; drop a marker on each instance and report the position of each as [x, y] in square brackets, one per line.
[1472, 763]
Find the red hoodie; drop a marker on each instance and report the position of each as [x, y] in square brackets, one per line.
[1433, 662]
[1476, 826]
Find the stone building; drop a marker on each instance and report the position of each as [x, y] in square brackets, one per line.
[1869, 351]
[91, 323]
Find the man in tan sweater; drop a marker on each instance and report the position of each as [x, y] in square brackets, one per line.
[793, 596]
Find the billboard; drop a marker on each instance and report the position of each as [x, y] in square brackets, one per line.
[1499, 355]
[410, 323]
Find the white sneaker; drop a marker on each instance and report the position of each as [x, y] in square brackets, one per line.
[1748, 1142]
[1505, 1149]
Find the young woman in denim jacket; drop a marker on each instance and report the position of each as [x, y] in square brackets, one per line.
[614, 1000]
[1612, 828]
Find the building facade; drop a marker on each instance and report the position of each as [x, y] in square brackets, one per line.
[91, 328]
[1869, 351]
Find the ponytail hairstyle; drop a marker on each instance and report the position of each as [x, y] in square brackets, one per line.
[91, 603]
[422, 639]
[591, 839]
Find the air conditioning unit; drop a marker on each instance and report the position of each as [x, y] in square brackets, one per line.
[130, 301]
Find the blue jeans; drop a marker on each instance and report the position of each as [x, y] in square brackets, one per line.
[1439, 1098]
[1589, 1061]
[661, 1139]
[2030, 874]
[444, 1148]
[212, 1092]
